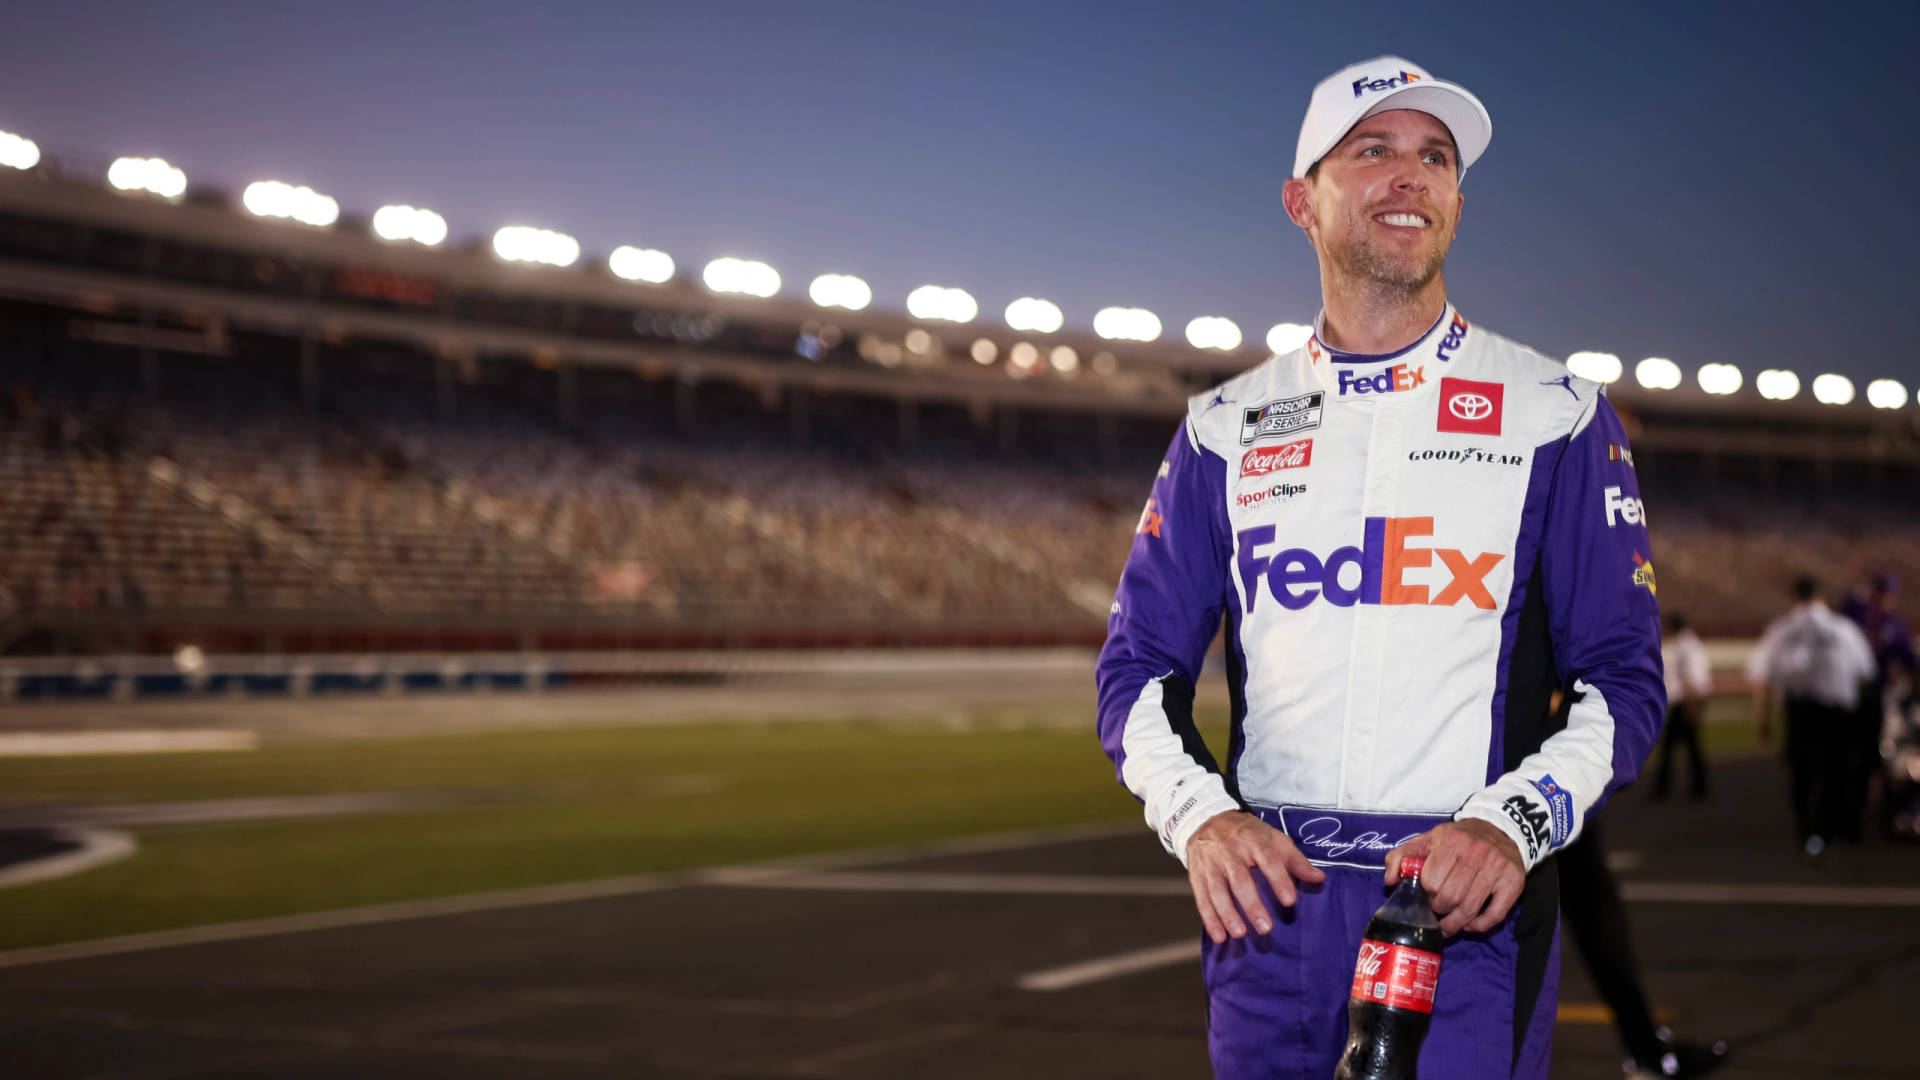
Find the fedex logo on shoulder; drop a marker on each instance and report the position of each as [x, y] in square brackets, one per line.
[1385, 381]
[1449, 341]
[1363, 84]
[1297, 577]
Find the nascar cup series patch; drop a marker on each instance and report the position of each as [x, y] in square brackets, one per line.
[1282, 416]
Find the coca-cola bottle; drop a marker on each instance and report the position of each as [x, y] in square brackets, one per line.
[1393, 981]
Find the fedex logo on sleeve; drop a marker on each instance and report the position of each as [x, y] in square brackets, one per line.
[1297, 577]
[1385, 381]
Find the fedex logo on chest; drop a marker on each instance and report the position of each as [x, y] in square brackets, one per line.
[1390, 380]
[1299, 577]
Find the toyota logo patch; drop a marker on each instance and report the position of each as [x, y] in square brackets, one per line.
[1470, 406]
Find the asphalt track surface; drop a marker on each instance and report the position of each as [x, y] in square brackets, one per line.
[909, 964]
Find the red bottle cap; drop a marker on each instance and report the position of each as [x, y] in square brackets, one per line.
[1411, 865]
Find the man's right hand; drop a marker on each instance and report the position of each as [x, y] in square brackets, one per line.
[1221, 858]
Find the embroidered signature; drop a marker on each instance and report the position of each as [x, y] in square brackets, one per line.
[1324, 833]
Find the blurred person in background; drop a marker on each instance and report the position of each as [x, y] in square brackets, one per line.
[1883, 705]
[1416, 532]
[1689, 683]
[1816, 663]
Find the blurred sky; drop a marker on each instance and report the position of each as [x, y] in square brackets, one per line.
[1710, 183]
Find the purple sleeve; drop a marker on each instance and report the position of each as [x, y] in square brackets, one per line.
[1597, 568]
[1164, 617]
[1604, 624]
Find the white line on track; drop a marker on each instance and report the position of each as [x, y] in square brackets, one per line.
[907, 881]
[1184, 951]
[137, 741]
[96, 847]
[553, 894]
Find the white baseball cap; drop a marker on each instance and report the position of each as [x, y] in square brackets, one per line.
[1356, 92]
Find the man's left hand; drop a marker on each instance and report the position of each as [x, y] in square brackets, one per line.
[1473, 873]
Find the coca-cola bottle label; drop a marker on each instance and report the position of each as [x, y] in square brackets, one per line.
[1396, 975]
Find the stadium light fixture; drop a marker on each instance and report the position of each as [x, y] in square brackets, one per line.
[1657, 373]
[1213, 332]
[941, 302]
[749, 277]
[1886, 394]
[409, 223]
[1777, 385]
[274, 198]
[984, 352]
[641, 264]
[1288, 336]
[525, 243]
[151, 175]
[1025, 355]
[1599, 366]
[1064, 359]
[18, 151]
[840, 290]
[1035, 316]
[1104, 364]
[1126, 324]
[1831, 389]
[1719, 379]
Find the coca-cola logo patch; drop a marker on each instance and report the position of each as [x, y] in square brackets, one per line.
[1262, 460]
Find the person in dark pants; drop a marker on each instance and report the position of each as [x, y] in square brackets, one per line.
[1596, 919]
[1893, 659]
[1817, 661]
[1689, 682]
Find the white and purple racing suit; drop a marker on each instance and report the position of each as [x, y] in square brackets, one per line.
[1411, 553]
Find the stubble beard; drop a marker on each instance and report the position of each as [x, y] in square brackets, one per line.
[1388, 278]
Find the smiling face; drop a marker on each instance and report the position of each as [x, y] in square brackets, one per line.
[1382, 205]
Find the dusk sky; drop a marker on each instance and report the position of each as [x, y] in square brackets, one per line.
[1708, 183]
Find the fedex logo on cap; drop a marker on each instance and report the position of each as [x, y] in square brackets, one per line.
[1386, 381]
[1297, 577]
[1365, 85]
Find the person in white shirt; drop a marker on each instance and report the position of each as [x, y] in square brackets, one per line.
[1689, 683]
[1816, 661]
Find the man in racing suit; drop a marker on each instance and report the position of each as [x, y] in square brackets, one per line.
[1415, 531]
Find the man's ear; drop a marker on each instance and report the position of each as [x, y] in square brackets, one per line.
[1293, 195]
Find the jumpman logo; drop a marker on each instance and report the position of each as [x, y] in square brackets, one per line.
[1564, 382]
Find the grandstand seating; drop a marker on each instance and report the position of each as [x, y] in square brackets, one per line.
[218, 489]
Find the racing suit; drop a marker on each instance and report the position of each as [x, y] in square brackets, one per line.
[1411, 553]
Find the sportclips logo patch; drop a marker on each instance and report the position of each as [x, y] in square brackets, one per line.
[1296, 577]
[1385, 381]
[1282, 416]
[1470, 407]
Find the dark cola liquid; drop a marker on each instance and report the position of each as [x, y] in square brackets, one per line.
[1383, 1042]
